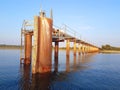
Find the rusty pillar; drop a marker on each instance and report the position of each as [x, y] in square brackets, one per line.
[74, 47]
[82, 49]
[42, 54]
[28, 48]
[56, 51]
[67, 47]
[85, 49]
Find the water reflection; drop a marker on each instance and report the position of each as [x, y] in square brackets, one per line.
[75, 63]
[41, 81]
[56, 63]
[25, 79]
[33, 82]
[67, 63]
[47, 81]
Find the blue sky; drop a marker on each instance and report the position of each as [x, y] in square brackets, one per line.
[96, 21]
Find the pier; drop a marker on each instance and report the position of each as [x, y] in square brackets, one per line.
[41, 36]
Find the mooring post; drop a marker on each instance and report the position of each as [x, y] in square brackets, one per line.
[74, 47]
[67, 47]
[28, 48]
[42, 51]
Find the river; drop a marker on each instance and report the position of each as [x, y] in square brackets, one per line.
[96, 71]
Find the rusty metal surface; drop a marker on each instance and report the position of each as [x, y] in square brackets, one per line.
[28, 48]
[44, 46]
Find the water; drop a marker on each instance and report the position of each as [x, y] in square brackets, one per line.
[92, 71]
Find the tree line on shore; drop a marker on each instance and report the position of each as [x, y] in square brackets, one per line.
[109, 47]
[4, 46]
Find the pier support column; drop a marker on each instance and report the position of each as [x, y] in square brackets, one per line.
[88, 49]
[74, 47]
[56, 51]
[82, 49]
[79, 49]
[67, 47]
[85, 49]
[42, 54]
[28, 48]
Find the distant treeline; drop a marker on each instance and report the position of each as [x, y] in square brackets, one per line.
[3, 46]
[108, 47]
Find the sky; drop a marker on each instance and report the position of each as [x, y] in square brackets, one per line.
[95, 21]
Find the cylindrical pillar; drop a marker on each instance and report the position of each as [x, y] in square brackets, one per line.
[74, 47]
[82, 48]
[28, 48]
[67, 47]
[56, 51]
[79, 49]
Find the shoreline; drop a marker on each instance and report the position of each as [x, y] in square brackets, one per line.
[110, 51]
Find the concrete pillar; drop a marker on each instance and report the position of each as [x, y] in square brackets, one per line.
[67, 47]
[79, 49]
[86, 49]
[74, 47]
[28, 48]
[82, 48]
[42, 54]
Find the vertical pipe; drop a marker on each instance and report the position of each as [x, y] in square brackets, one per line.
[74, 47]
[28, 48]
[67, 47]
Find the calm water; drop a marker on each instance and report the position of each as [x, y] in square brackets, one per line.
[92, 71]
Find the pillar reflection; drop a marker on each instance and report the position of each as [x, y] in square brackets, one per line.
[41, 81]
[25, 71]
[75, 62]
[67, 63]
